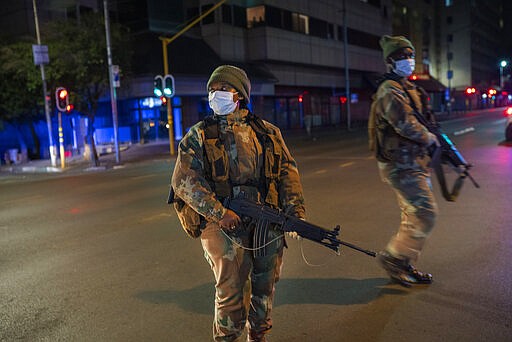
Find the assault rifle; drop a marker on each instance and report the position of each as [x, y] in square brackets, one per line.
[447, 153]
[263, 216]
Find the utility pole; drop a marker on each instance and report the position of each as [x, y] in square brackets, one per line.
[345, 48]
[53, 148]
[113, 97]
[167, 41]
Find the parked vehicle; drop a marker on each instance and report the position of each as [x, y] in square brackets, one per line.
[508, 127]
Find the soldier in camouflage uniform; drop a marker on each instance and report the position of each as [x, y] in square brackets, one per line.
[226, 163]
[401, 144]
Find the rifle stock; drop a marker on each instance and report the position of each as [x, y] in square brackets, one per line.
[250, 211]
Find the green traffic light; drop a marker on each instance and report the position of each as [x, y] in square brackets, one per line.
[169, 86]
[158, 86]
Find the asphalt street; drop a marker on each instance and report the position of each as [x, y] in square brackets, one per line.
[97, 255]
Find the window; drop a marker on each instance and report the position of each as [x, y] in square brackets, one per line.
[300, 23]
[234, 15]
[449, 19]
[210, 18]
[255, 16]
[330, 31]
[318, 28]
[449, 38]
[364, 39]
[227, 17]
[239, 18]
[448, 3]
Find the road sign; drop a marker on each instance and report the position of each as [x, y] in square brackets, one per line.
[40, 53]
[449, 74]
[115, 76]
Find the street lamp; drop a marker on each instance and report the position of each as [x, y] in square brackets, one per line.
[502, 65]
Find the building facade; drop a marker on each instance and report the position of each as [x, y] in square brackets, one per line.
[293, 52]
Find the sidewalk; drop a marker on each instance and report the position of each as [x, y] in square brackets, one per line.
[136, 153]
[132, 154]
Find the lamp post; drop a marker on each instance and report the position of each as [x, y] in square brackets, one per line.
[502, 65]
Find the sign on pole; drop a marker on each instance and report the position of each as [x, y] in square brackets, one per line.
[40, 53]
[115, 76]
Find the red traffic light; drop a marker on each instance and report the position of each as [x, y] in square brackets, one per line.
[300, 98]
[470, 91]
[63, 93]
[62, 99]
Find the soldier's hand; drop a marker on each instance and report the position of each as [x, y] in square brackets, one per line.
[230, 220]
[294, 235]
[433, 140]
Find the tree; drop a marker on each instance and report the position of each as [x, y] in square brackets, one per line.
[78, 61]
[20, 87]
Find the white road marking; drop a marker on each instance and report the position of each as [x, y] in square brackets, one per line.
[464, 131]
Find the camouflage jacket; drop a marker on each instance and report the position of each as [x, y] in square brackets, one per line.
[245, 155]
[399, 138]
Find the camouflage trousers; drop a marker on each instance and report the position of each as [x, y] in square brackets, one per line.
[418, 209]
[244, 284]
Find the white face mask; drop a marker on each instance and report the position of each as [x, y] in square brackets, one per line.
[404, 67]
[221, 102]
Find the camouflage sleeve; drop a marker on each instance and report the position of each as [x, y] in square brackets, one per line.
[399, 114]
[289, 185]
[189, 181]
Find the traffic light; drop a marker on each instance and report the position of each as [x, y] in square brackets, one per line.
[62, 99]
[158, 86]
[168, 86]
[470, 90]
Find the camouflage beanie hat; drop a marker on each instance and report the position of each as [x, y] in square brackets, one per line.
[390, 44]
[235, 77]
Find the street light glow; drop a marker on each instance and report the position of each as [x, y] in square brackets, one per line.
[503, 64]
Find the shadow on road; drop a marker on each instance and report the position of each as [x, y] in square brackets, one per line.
[335, 291]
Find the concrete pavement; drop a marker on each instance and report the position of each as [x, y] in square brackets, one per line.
[131, 154]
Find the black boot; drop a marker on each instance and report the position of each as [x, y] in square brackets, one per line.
[401, 271]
